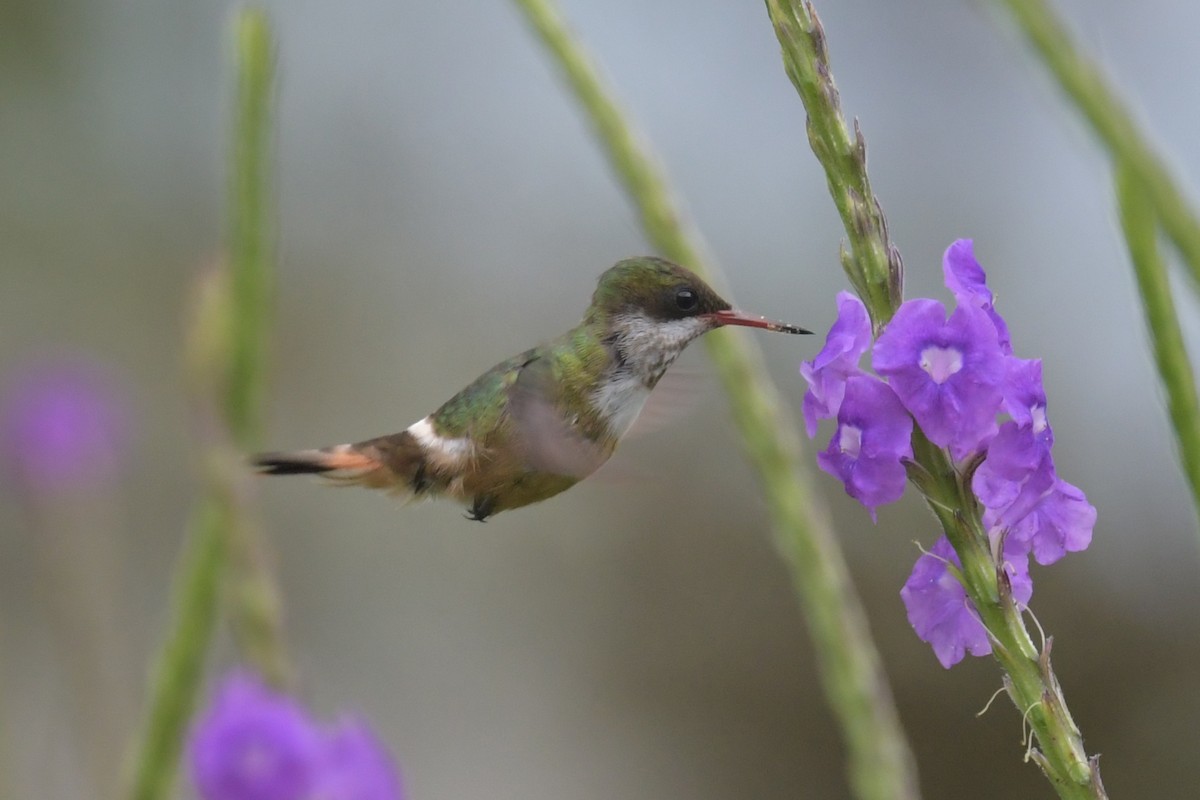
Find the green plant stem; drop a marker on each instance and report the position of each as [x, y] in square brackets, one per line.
[1086, 86]
[251, 234]
[253, 599]
[880, 763]
[180, 664]
[1138, 221]
[873, 264]
[1029, 679]
[227, 354]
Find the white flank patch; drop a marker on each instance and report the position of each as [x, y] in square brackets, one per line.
[619, 402]
[445, 451]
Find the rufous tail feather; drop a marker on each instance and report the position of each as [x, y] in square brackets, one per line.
[342, 463]
[389, 462]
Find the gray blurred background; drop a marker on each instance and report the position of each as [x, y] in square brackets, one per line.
[441, 207]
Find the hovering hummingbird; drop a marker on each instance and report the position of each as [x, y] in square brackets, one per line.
[538, 423]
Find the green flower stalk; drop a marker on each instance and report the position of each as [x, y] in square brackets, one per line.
[880, 763]
[1139, 224]
[226, 359]
[872, 264]
[1161, 205]
[251, 238]
[180, 664]
[930, 416]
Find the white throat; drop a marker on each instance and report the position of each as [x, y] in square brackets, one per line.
[645, 348]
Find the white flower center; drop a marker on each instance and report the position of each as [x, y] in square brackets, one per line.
[850, 440]
[941, 362]
[1039, 418]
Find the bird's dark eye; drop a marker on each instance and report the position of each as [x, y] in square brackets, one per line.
[686, 299]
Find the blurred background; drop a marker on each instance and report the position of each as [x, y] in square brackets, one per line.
[442, 206]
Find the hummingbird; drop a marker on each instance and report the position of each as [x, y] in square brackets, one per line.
[536, 424]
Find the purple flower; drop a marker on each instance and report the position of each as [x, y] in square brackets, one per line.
[1060, 522]
[948, 373]
[254, 743]
[1016, 474]
[826, 374]
[967, 282]
[873, 437]
[938, 607]
[1025, 397]
[356, 766]
[61, 425]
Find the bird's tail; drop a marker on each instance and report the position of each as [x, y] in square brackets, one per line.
[388, 462]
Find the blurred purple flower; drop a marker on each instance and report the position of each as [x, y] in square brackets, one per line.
[254, 743]
[826, 374]
[938, 607]
[947, 372]
[356, 766]
[967, 282]
[61, 424]
[873, 437]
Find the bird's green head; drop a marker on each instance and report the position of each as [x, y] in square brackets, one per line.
[655, 289]
[658, 291]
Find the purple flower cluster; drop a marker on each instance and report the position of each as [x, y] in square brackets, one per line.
[254, 743]
[957, 379]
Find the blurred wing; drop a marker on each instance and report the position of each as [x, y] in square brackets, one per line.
[676, 396]
[545, 437]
